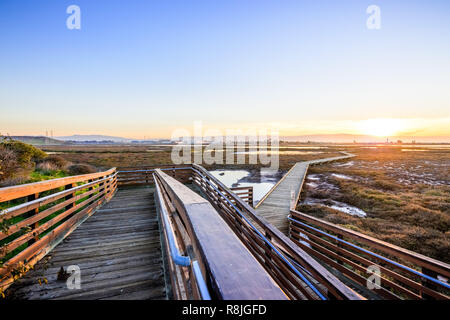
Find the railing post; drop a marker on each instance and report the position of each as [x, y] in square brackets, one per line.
[90, 189]
[267, 251]
[70, 196]
[339, 245]
[112, 185]
[427, 283]
[108, 186]
[31, 213]
[109, 183]
[100, 185]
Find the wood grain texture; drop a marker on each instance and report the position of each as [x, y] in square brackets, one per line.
[117, 249]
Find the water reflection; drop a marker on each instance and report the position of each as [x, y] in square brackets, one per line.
[336, 205]
[262, 179]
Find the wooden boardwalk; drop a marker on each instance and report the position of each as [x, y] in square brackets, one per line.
[117, 250]
[117, 247]
[278, 202]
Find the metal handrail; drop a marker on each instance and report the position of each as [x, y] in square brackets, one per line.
[54, 195]
[201, 284]
[177, 257]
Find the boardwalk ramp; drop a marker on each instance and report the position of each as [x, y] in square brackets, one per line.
[282, 198]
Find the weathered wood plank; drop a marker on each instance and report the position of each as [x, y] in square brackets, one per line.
[117, 249]
[277, 203]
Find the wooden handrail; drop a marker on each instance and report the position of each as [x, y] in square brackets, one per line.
[396, 251]
[233, 271]
[404, 273]
[129, 176]
[41, 223]
[245, 193]
[15, 192]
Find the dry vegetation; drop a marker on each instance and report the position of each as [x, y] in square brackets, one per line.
[406, 196]
[17, 160]
[105, 157]
[24, 163]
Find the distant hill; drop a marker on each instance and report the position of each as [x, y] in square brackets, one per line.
[93, 137]
[319, 138]
[38, 140]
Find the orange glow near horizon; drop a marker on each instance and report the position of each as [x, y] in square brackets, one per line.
[381, 127]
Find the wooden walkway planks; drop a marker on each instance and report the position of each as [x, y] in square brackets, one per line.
[276, 205]
[117, 249]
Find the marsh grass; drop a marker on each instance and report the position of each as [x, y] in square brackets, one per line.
[408, 210]
[405, 194]
[105, 157]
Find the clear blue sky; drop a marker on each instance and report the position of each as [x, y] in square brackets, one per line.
[148, 67]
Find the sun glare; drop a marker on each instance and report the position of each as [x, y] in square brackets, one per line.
[381, 127]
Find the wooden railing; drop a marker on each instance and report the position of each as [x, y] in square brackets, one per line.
[296, 272]
[41, 214]
[403, 274]
[197, 238]
[131, 176]
[245, 193]
[142, 175]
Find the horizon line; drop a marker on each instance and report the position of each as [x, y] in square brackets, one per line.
[327, 137]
